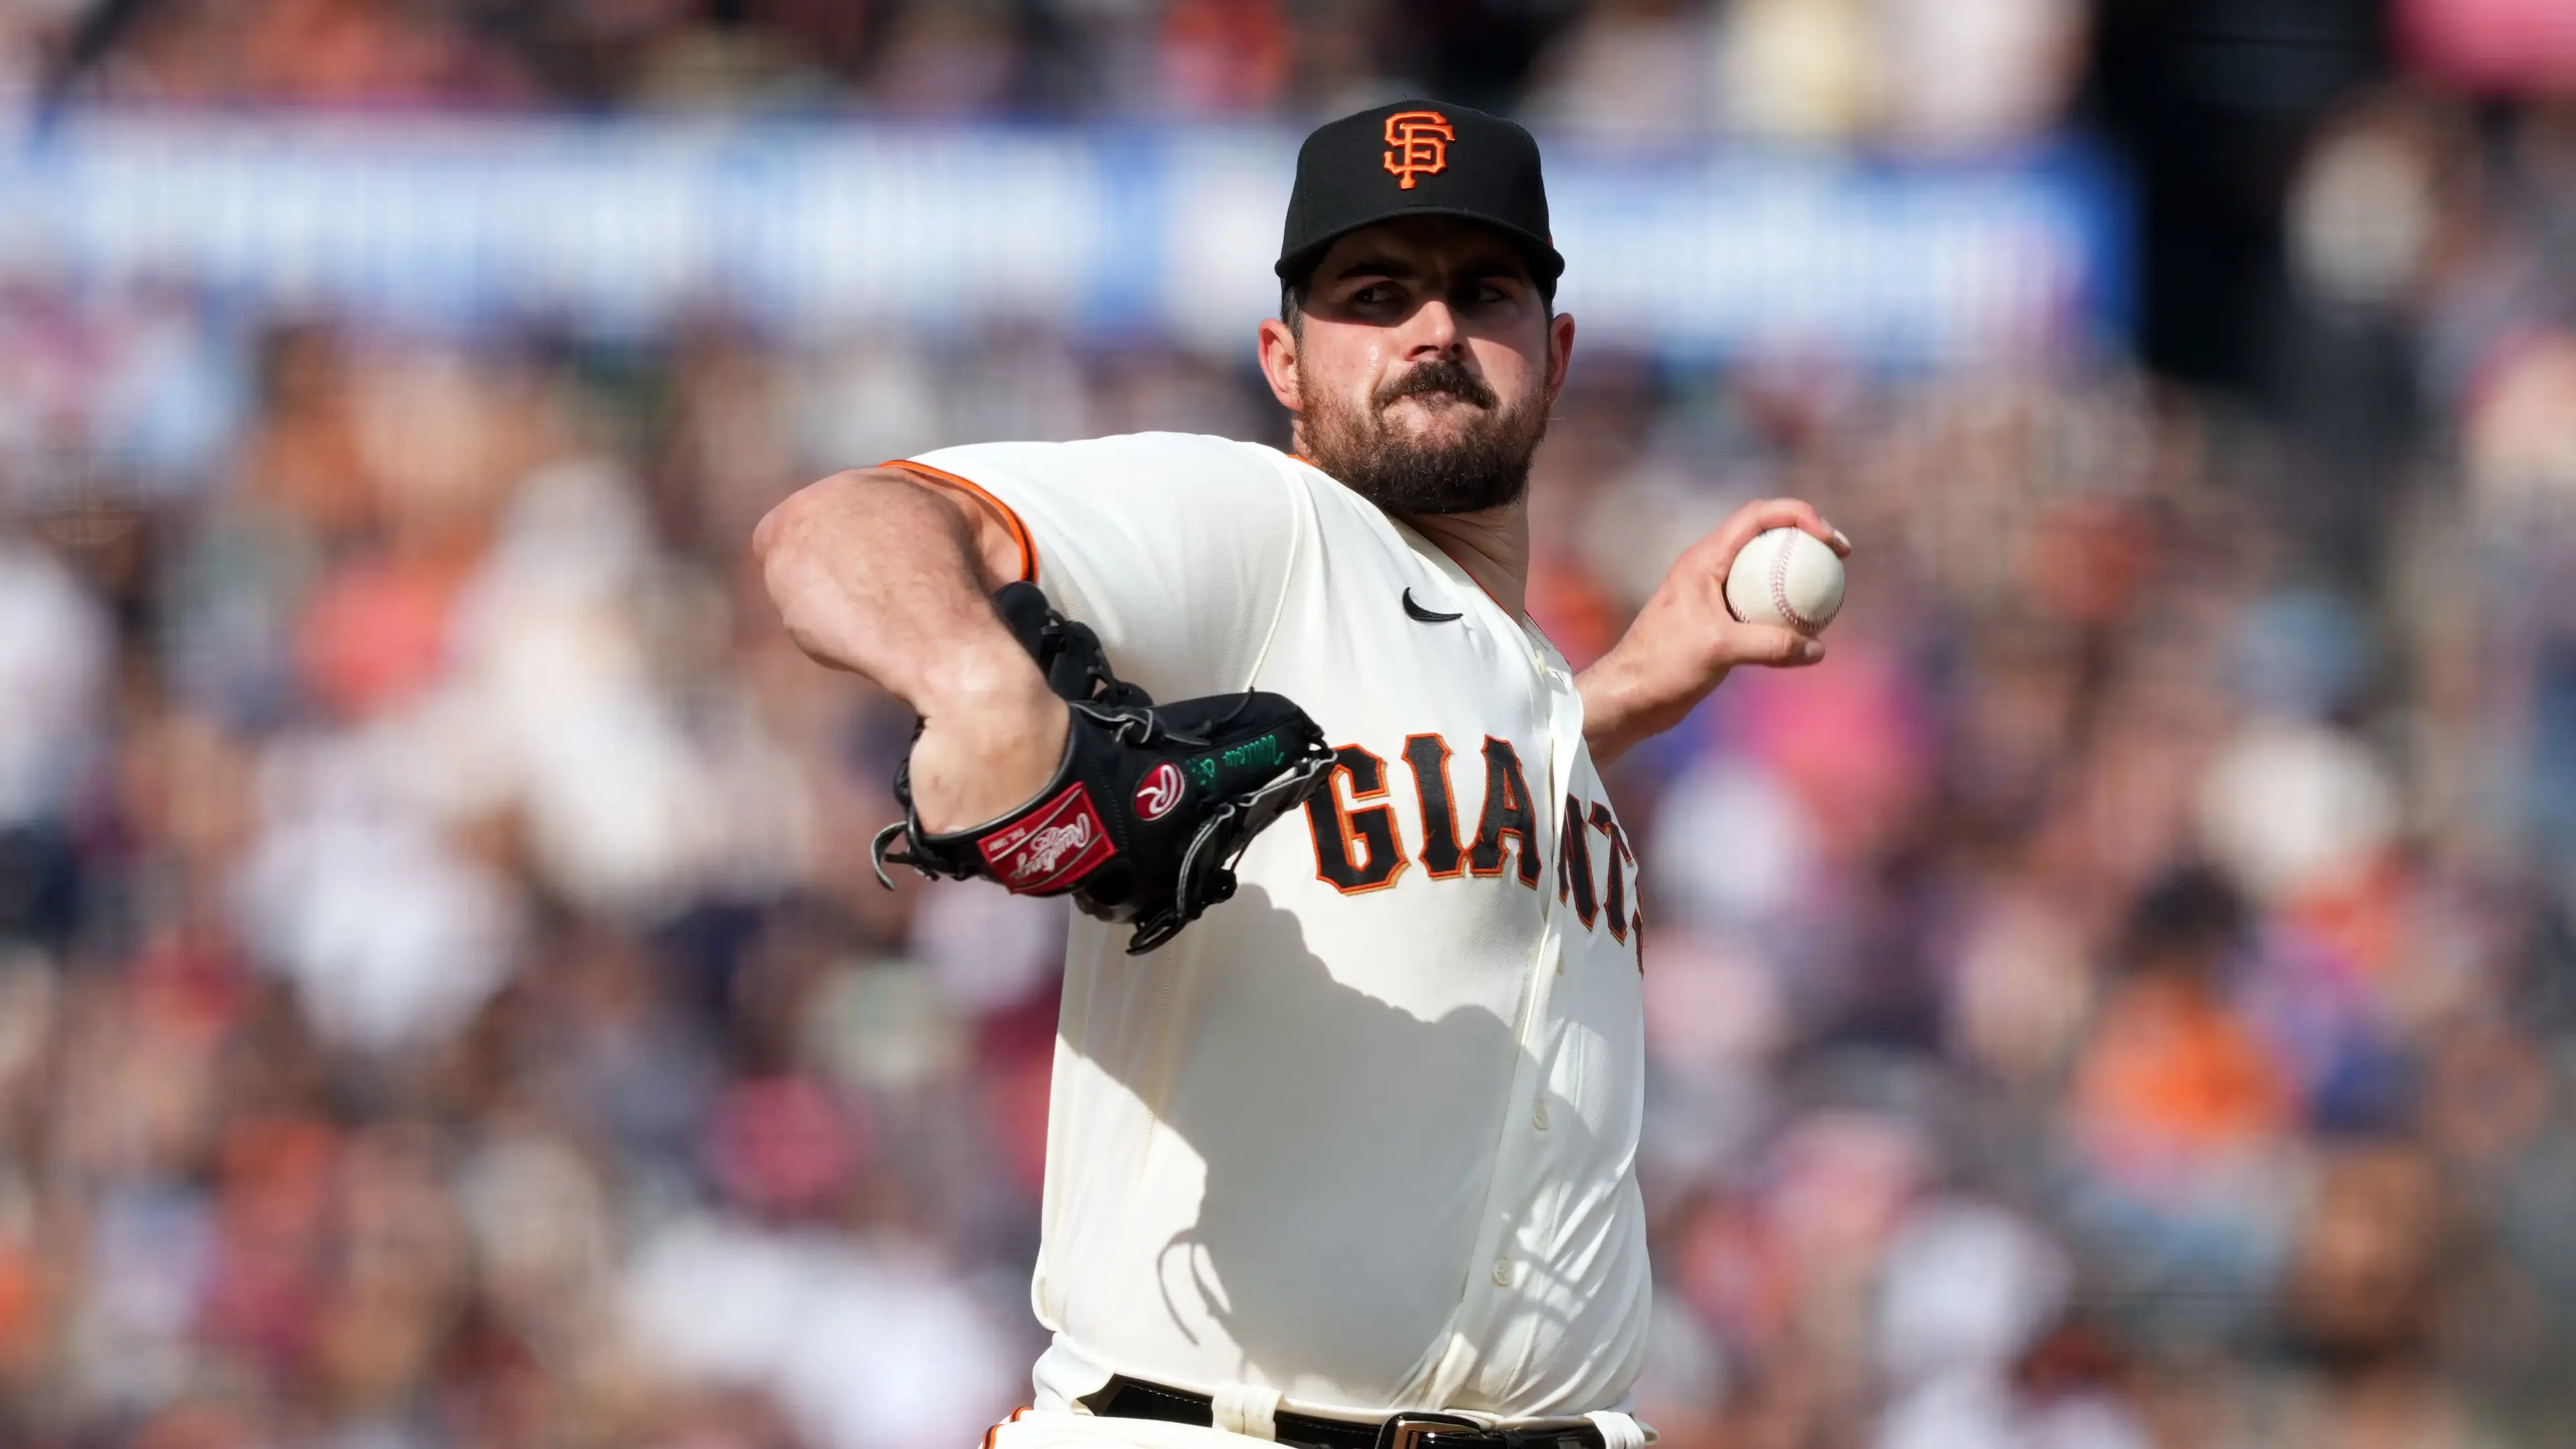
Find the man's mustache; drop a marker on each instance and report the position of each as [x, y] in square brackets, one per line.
[1438, 375]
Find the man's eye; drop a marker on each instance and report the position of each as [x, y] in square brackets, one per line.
[1369, 296]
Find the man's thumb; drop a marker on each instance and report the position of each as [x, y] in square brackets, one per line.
[1782, 647]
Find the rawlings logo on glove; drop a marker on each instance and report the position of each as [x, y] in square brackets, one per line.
[1160, 792]
[1025, 856]
[1151, 805]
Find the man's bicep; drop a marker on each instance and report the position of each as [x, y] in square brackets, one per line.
[1000, 540]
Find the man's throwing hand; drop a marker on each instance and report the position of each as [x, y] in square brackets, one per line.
[1685, 640]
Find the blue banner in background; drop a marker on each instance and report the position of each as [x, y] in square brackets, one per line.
[827, 228]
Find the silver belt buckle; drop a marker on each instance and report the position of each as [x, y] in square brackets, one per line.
[1407, 1431]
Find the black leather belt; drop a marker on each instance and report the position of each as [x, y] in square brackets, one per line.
[1126, 1398]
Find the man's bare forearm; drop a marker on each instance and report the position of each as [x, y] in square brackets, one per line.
[886, 577]
[1619, 711]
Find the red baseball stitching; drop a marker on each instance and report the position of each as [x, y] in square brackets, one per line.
[1780, 586]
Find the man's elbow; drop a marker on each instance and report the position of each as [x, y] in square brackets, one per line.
[770, 534]
[778, 528]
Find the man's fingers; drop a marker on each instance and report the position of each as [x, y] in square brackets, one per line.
[1769, 513]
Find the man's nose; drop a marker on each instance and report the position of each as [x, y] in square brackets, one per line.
[1432, 331]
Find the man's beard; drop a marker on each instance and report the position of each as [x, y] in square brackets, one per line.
[1486, 466]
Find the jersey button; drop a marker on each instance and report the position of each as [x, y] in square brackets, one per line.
[1538, 1119]
[1502, 1273]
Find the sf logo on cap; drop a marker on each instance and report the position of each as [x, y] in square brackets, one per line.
[1421, 141]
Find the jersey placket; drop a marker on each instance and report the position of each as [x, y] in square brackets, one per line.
[1499, 1307]
[1542, 1186]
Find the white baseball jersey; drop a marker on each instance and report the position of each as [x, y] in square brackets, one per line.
[1364, 1136]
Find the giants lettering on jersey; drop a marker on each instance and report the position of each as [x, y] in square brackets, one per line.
[1359, 844]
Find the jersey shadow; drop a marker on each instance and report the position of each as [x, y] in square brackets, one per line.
[1339, 1132]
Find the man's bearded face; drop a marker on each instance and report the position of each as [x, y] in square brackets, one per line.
[1435, 439]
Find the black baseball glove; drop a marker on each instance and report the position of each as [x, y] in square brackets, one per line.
[1151, 805]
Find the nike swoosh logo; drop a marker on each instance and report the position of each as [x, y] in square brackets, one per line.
[1427, 616]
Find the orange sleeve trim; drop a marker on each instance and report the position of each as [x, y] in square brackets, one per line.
[995, 1431]
[1010, 516]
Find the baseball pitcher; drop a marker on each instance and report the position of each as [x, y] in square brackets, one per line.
[1341, 1150]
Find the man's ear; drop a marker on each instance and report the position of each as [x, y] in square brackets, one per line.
[1560, 353]
[1277, 347]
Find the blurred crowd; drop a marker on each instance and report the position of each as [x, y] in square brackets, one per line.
[2127, 996]
[1926, 73]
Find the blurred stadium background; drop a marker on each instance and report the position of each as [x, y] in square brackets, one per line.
[2128, 997]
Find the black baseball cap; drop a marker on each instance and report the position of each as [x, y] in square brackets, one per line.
[1417, 158]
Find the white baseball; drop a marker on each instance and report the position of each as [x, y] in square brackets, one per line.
[1786, 576]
